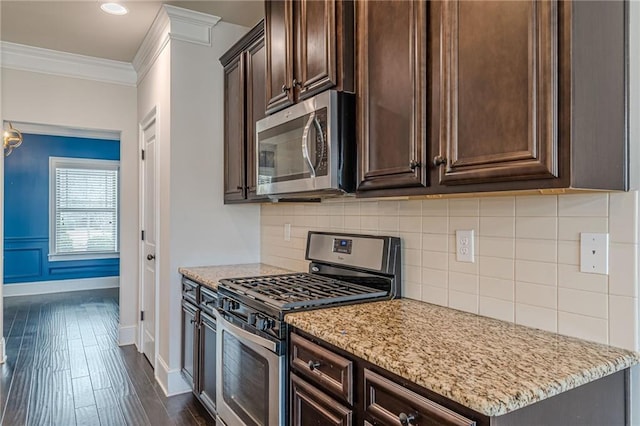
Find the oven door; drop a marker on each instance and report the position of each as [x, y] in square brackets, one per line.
[250, 378]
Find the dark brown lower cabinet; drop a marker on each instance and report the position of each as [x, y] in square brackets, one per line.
[312, 407]
[206, 389]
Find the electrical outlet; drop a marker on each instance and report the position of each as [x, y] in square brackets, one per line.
[287, 232]
[464, 246]
[594, 253]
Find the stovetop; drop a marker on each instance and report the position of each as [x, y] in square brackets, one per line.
[290, 291]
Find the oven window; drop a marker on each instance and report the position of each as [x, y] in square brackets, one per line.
[245, 381]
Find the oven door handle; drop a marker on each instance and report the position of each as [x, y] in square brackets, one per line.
[254, 338]
[305, 144]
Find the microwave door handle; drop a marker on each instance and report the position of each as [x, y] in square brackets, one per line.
[323, 142]
[305, 146]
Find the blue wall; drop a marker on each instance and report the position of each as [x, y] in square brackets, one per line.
[26, 210]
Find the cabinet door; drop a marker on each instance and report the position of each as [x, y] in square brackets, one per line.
[189, 341]
[391, 93]
[311, 407]
[234, 131]
[279, 46]
[316, 46]
[207, 373]
[499, 90]
[256, 107]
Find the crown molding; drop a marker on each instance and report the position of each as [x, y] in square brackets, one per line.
[55, 130]
[173, 23]
[46, 61]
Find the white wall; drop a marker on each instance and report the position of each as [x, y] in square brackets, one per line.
[79, 103]
[185, 83]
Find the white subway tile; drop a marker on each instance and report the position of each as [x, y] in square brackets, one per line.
[569, 228]
[497, 288]
[497, 308]
[388, 224]
[305, 221]
[323, 222]
[583, 302]
[435, 208]
[464, 207]
[369, 208]
[540, 295]
[497, 227]
[463, 301]
[335, 208]
[464, 267]
[411, 256]
[496, 247]
[412, 290]
[569, 276]
[498, 206]
[352, 223]
[435, 295]
[435, 260]
[467, 283]
[435, 277]
[435, 224]
[410, 208]
[534, 316]
[369, 223]
[388, 208]
[352, 208]
[337, 222]
[544, 228]
[623, 322]
[536, 272]
[623, 217]
[584, 327]
[537, 205]
[583, 205]
[323, 209]
[412, 273]
[623, 269]
[538, 250]
[435, 242]
[569, 252]
[496, 267]
[457, 223]
[410, 223]
[411, 240]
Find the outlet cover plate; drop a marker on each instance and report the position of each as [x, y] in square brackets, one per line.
[464, 246]
[594, 253]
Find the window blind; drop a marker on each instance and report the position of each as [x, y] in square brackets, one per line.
[86, 210]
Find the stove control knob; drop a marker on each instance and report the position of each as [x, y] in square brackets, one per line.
[261, 323]
[225, 304]
[233, 305]
[251, 318]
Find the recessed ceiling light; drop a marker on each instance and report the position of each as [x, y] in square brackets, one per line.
[114, 8]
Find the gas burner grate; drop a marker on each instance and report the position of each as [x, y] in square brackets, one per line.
[290, 291]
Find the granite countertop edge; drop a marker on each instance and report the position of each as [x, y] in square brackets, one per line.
[501, 401]
[209, 276]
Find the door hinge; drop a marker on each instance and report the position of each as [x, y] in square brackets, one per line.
[142, 235]
[141, 315]
[142, 154]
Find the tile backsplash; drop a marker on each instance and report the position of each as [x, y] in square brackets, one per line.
[526, 267]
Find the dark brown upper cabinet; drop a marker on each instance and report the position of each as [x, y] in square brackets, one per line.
[494, 96]
[391, 94]
[309, 45]
[244, 104]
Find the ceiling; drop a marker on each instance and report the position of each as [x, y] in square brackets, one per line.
[81, 27]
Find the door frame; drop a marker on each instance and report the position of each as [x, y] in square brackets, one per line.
[150, 117]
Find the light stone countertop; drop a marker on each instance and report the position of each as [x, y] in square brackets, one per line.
[210, 275]
[491, 366]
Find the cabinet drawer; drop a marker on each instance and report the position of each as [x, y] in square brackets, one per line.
[311, 406]
[190, 290]
[387, 403]
[208, 300]
[322, 366]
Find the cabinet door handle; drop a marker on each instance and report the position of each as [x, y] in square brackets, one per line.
[313, 365]
[192, 320]
[414, 164]
[285, 88]
[439, 160]
[406, 420]
[296, 83]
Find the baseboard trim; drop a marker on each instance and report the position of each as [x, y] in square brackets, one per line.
[170, 380]
[59, 286]
[127, 335]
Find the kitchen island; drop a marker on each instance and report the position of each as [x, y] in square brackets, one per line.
[489, 366]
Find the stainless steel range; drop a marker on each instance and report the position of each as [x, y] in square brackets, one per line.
[344, 269]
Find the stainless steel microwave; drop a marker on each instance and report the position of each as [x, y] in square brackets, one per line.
[308, 149]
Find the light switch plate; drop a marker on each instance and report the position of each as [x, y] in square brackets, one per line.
[464, 246]
[594, 253]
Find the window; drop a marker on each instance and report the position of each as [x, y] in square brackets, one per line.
[83, 199]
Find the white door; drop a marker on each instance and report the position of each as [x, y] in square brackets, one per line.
[148, 211]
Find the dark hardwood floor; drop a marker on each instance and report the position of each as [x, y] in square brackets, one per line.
[64, 367]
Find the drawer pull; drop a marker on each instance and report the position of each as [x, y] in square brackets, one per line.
[313, 365]
[406, 420]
